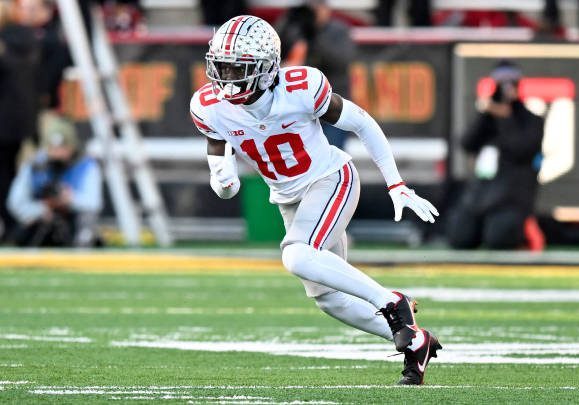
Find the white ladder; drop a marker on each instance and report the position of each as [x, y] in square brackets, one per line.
[104, 113]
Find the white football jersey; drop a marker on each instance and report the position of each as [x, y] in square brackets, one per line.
[287, 147]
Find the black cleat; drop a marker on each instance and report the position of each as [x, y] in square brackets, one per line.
[415, 362]
[400, 317]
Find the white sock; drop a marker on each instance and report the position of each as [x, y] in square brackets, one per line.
[324, 267]
[355, 312]
[417, 341]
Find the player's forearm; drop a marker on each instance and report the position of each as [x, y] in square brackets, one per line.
[355, 119]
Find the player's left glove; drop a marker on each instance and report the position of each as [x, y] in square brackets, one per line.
[403, 196]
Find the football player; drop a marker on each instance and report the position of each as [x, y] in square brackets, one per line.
[270, 117]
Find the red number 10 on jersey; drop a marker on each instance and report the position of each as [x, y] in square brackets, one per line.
[297, 78]
[271, 146]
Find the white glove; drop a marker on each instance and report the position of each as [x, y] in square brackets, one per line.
[226, 173]
[403, 196]
[224, 180]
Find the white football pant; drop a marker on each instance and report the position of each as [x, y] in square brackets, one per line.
[315, 250]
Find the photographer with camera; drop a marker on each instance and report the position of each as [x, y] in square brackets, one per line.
[506, 138]
[57, 196]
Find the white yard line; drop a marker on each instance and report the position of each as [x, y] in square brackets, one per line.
[3, 383]
[116, 390]
[464, 353]
[161, 310]
[164, 393]
[238, 401]
[316, 368]
[491, 295]
[187, 392]
[60, 339]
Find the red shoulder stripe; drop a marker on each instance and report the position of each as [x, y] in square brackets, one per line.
[322, 95]
[200, 124]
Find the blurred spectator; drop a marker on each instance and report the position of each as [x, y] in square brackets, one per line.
[123, 16]
[57, 195]
[41, 17]
[218, 12]
[547, 27]
[18, 99]
[550, 26]
[498, 203]
[483, 18]
[418, 11]
[310, 36]
[296, 29]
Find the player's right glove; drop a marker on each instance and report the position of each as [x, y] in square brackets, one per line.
[224, 180]
[403, 196]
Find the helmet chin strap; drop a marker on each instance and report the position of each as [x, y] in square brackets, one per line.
[229, 89]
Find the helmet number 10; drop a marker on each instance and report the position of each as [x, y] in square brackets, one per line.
[271, 146]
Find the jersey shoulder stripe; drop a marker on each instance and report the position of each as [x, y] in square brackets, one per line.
[199, 123]
[321, 98]
[323, 95]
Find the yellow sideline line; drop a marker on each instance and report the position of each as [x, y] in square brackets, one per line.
[157, 263]
[135, 263]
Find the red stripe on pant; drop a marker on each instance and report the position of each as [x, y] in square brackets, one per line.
[335, 207]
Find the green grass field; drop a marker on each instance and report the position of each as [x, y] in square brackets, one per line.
[239, 335]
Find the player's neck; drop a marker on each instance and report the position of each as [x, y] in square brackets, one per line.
[261, 106]
[255, 96]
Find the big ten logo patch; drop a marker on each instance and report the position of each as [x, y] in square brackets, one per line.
[553, 99]
[238, 132]
[395, 91]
